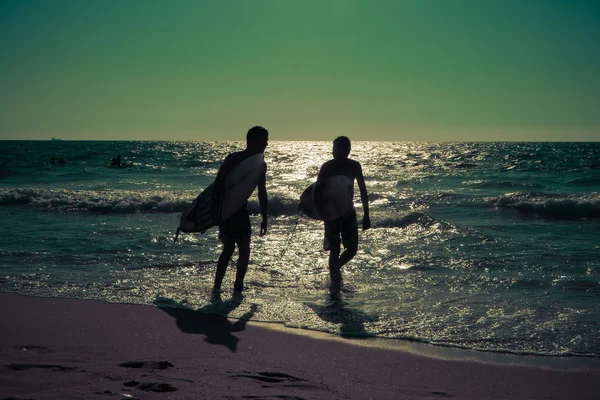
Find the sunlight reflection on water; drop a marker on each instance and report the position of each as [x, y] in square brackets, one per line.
[464, 249]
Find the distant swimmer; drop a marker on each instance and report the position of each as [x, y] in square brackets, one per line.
[116, 162]
[333, 194]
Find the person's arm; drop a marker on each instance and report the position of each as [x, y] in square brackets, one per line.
[263, 200]
[364, 198]
[218, 189]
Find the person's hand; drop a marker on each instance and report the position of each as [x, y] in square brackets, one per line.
[263, 227]
[366, 223]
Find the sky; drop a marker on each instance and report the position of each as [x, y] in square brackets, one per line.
[398, 70]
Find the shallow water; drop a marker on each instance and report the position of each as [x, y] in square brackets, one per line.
[490, 246]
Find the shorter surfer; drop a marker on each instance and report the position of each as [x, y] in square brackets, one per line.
[345, 228]
[236, 229]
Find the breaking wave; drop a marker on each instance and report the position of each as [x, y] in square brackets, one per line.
[122, 201]
[99, 201]
[568, 207]
[493, 184]
[588, 181]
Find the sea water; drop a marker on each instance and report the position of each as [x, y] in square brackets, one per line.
[487, 246]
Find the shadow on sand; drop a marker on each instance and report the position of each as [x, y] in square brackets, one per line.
[351, 321]
[210, 320]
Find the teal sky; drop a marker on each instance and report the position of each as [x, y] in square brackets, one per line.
[306, 70]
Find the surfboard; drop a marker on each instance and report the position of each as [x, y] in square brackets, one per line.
[338, 196]
[239, 185]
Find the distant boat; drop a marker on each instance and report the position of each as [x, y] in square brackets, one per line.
[55, 138]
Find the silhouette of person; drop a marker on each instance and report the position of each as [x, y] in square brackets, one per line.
[345, 228]
[236, 230]
[116, 162]
[60, 160]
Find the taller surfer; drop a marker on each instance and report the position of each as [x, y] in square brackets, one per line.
[343, 228]
[236, 229]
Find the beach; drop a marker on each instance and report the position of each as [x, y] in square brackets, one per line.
[485, 246]
[176, 179]
[55, 348]
[478, 279]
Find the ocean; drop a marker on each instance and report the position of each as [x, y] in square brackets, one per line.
[476, 245]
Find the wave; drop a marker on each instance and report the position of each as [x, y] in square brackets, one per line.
[589, 181]
[122, 201]
[464, 165]
[101, 201]
[154, 201]
[417, 218]
[277, 206]
[403, 221]
[493, 184]
[567, 207]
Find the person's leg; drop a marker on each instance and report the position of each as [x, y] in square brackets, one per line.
[334, 265]
[244, 233]
[349, 238]
[224, 258]
[332, 243]
[347, 255]
[242, 264]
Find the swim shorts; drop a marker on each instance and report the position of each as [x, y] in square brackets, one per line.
[236, 227]
[345, 226]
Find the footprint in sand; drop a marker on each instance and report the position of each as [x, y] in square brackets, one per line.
[278, 381]
[51, 367]
[147, 364]
[271, 377]
[151, 386]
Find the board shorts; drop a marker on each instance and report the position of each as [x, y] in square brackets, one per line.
[236, 227]
[342, 230]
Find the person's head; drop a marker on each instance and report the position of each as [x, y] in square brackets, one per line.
[257, 138]
[341, 147]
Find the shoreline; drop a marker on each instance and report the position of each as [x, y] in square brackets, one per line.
[443, 352]
[56, 348]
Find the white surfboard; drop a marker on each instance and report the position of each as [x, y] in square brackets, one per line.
[338, 197]
[239, 185]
